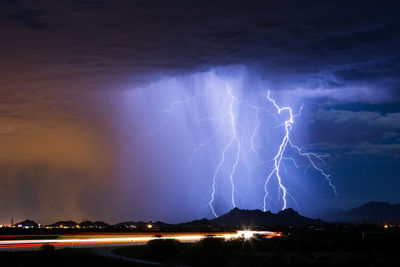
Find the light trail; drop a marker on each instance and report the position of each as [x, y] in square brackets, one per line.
[115, 239]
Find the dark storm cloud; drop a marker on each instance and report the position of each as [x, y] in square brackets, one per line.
[323, 44]
[28, 18]
[14, 2]
[345, 133]
[388, 32]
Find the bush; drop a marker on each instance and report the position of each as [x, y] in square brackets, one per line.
[47, 247]
[162, 249]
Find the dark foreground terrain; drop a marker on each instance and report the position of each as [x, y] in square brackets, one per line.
[310, 248]
[322, 247]
[60, 258]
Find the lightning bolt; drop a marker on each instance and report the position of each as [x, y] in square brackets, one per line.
[253, 146]
[310, 157]
[171, 108]
[280, 155]
[244, 141]
[233, 140]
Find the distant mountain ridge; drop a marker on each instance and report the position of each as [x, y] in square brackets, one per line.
[235, 217]
[238, 217]
[27, 224]
[371, 212]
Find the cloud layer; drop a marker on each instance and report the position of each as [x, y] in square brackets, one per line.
[335, 45]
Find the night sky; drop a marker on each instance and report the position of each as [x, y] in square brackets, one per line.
[88, 128]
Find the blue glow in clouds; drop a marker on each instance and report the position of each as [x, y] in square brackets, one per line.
[215, 135]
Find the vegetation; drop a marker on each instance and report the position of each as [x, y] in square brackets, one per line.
[70, 257]
[302, 248]
[354, 246]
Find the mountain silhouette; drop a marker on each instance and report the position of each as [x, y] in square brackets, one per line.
[27, 223]
[285, 217]
[196, 223]
[239, 217]
[371, 212]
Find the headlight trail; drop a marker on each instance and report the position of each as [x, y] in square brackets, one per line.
[26, 241]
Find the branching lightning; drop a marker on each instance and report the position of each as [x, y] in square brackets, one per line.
[233, 140]
[233, 143]
[310, 156]
[238, 146]
[279, 156]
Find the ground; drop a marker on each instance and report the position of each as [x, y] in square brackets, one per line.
[298, 248]
[345, 247]
[70, 257]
